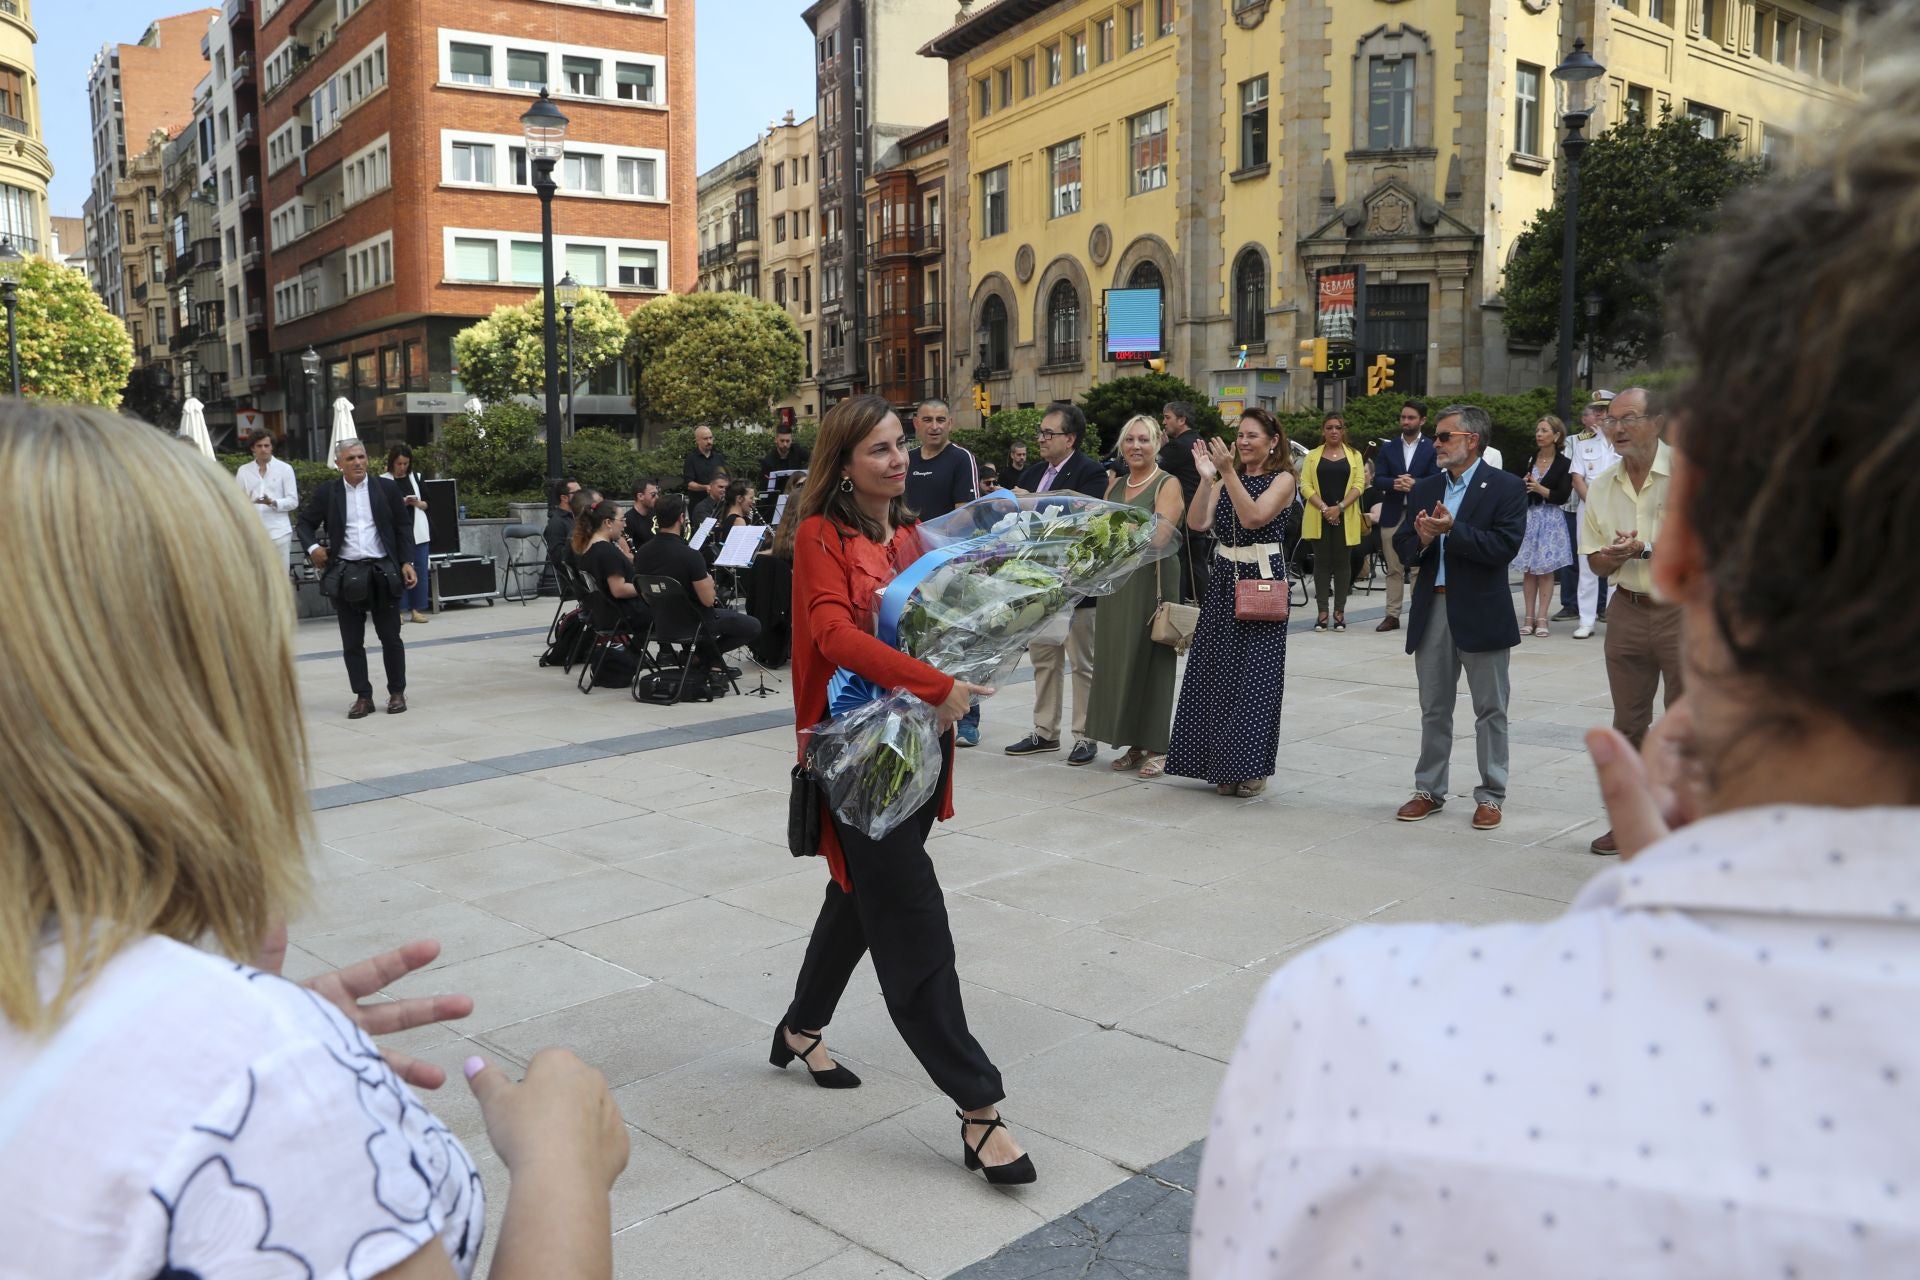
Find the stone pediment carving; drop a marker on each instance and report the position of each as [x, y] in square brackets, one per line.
[1389, 212]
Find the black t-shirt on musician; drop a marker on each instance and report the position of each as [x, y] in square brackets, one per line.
[669, 556]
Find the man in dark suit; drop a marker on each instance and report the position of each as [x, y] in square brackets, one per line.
[1399, 462]
[1464, 531]
[1062, 466]
[369, 550]
[1176, 459]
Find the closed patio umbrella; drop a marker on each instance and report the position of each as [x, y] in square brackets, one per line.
[193, 426]
[342, 429]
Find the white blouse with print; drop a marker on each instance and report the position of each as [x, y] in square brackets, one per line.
[192, 1117]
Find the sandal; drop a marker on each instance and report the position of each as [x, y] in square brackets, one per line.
[1129, 760]
[1339, 622]
[1320, 623]
[1155, 766]
[1012, 1174]
[1225, 788]
[1540, 629]
[1247, 790]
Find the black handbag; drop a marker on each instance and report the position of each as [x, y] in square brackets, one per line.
[803, 812]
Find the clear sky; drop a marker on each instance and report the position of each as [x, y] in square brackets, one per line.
[754, 62]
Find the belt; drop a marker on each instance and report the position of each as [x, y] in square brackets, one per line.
[1259, 553]
[1639, 597]
[1439, 591]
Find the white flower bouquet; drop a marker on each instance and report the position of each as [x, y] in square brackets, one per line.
[994, 574]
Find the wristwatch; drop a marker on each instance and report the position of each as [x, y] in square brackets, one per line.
[1646, 552]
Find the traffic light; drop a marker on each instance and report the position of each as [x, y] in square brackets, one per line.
[1380, 375]
[1313, 355]
[982, 401]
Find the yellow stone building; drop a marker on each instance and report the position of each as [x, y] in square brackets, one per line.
[1230, 150]
[25, 169]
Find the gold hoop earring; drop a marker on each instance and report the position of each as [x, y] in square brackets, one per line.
[846, 484]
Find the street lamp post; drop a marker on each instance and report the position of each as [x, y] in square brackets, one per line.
[12, 262]
[310, 365]
[567, 293]
[1594, 301]
[1575, 76]
[545, 129]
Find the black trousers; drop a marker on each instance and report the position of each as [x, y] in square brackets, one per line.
[353, 640]
[897, 912]
[730, 629]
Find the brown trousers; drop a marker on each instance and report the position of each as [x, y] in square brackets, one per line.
[1643, 651]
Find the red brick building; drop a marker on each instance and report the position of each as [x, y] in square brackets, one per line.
[397, 195]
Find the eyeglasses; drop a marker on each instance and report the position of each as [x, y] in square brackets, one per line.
[1051, 435]
[1630, 419]
[1441, 437]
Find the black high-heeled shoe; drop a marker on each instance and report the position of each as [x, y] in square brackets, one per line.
[834, 1077]
[1013, 1173]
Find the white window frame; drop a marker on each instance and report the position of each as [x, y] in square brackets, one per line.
[556, 54]
[352, 86]
[369, 264]
[503, 257]
[1064, 199]
[503, 143]
[375, 162]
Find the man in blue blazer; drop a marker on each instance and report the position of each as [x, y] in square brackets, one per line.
[1397, 464]
[1463, 532]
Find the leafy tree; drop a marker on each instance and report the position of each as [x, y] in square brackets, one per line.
[1108, 405]
[717, 359]
[497, 450]
[1645, 187]
[505, 354]
[144, 397]
[602, 459]
[71, 346]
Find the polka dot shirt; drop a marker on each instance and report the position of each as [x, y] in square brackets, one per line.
[1708, 1067]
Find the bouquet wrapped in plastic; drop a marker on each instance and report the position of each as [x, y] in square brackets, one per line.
[994, 574]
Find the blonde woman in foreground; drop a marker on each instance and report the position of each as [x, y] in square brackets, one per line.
[167, 1108]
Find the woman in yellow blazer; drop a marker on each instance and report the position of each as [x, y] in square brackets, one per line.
[1332, 478]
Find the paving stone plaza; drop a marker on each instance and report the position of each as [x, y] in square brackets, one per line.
[613, 877]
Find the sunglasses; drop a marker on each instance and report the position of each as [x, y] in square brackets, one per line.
[1443, 436]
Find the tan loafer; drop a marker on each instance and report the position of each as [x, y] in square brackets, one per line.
[1420, 807]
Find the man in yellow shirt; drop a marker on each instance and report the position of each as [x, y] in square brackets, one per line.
[1618, 529]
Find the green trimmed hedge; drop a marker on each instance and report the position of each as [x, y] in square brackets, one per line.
[305, 474]
[1372, 418]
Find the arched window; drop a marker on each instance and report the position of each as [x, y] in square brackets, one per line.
[1063, 324]
[1249, 298]
[993, 319]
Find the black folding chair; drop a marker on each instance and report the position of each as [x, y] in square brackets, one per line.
[576, 586]
[678, 623]
[607, 625]
[526, 562]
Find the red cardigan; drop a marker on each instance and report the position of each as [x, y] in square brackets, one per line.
[835, 575]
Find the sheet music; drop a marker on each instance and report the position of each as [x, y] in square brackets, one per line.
[775, 477]
[704, 532]
[742, 541]
[779, 511]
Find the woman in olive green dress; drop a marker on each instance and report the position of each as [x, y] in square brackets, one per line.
[1133, 678]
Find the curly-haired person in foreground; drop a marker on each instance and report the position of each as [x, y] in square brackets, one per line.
[1708, 1066]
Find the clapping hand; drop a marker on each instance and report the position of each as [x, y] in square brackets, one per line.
[1624, 547]
[1433, 524]
[1650, 792]
[348, 990]
[1535, 487]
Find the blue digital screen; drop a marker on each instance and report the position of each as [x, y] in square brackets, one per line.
[1133, 323]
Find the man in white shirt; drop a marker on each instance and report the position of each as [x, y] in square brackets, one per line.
[270, 486]
[368, 554]
[1591, 454]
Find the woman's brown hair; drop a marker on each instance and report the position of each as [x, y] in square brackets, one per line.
[590, 521]
[1803, 413]
[1280, 459]
[1559, 430]
[841, 431]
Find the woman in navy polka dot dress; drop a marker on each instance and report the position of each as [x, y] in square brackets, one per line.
[1227, 728]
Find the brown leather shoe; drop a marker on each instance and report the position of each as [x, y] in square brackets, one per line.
[1421, 806]
[361, 709]
[1486, 817]
[395, 704]
[1388, 623]
[1605, 845]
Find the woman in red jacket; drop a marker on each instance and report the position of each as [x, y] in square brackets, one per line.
[851, 535]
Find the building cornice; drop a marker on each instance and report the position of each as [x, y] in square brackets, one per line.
[979, 27]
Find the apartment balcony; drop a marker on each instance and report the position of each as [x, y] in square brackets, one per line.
[746, 235]
[260, 379]
[256, 318]
[242, 74]
[893, 242]
[239, 12]
[249, 195]
[14, 124]
[183, 338]
[930, 239]
[140, 292]
[247, 135]
[929, 318]
[252, 257]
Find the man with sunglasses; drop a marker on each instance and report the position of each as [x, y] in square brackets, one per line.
[1062, 466]
[1618, 530]
[1464, 530]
